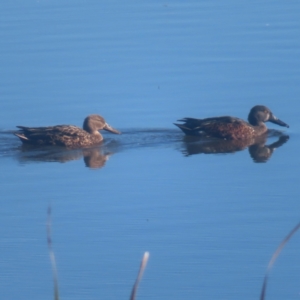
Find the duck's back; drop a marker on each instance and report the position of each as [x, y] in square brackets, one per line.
[219, 127]
[60, 135]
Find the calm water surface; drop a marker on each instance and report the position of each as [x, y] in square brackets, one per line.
[210, 221]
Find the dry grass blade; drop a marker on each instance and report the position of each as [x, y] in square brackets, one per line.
[140, 274]
[52, 256]
[273, 259]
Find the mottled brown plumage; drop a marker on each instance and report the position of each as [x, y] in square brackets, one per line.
[230, 128]
[66, 135]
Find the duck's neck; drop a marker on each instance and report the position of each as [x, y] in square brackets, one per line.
[257, 123]
[260, 128]
[92, 132]
[253, 120]
[95, 133]
[89, 129]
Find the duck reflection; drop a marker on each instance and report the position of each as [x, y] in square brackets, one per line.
[257, 147]
[260, 152]
[94, 158]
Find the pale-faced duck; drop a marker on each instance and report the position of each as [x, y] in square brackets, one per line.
[66, 135]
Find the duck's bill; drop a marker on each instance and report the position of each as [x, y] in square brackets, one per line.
[275, 120]
[111, 129]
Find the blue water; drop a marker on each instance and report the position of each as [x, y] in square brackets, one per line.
[210, 221]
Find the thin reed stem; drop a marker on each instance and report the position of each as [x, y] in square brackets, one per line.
[274, 258]
[51, 254]
[140, 275]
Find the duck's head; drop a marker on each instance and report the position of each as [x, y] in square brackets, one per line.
[259, 114]
[93, 123]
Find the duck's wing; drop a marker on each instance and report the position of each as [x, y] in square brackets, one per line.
[52, 135]
[190, 126]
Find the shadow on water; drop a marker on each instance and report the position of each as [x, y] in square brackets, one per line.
[96, 157]
[257, 147]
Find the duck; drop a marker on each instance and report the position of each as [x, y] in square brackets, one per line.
[231, 128]
[69, 136]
